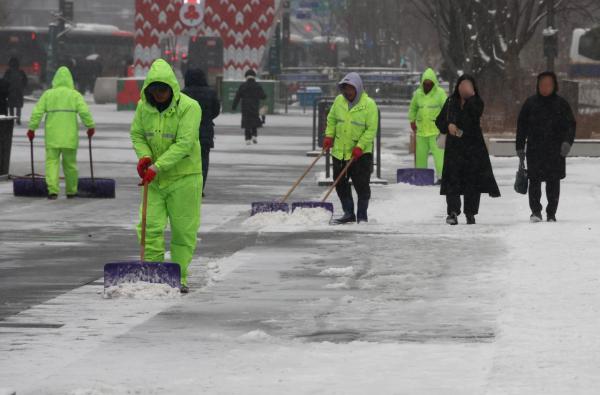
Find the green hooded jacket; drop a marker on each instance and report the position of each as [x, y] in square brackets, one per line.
[169, 138]
[425, 107]
[352, 127]
[61, 104]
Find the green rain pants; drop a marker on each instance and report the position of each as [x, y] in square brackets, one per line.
[425, 145]
[179, 203]
[69, 164]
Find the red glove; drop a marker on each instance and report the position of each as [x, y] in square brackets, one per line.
[30, 135]
[327, 143]
[413, 126]
[91, 132]
[143, 164]
[149, 176]
[357, 153]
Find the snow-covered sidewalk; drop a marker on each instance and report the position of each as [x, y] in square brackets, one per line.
[402, 305]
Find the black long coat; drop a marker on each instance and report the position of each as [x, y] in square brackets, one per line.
[3, 97]
[544, 124]
[17, 80]
[197, 88]
[467, 166]
[250, 93]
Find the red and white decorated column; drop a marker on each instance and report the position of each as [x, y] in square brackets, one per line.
[243, 25]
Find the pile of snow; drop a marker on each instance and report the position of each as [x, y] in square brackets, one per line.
[141, 290]
[255, 336]
[300, 217]
[102, 389]
[338, 272]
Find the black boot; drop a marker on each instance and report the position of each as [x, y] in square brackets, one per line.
[347, 218]
[452, 219]
[52, 196]
[470, 219]
[551, 218]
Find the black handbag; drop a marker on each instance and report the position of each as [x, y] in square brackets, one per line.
[521, 181]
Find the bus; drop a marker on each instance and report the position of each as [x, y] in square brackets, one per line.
[585, 53]
[108, 46]
[317, 51]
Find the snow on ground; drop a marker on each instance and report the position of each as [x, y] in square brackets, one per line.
[402, 305]
[141, 290]
[300, 218]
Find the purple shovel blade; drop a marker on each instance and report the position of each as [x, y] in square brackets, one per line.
[269, 207]
[96, 188]
[324, 205]
[116, 273]
[419, 177]
[30, 187]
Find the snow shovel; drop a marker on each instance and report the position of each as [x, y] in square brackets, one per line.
[323, 204]
[135, 271]
[270, 207]
[95, 187]
[414, 176]
[31, 185]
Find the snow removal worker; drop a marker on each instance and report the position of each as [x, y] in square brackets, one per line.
[425, 106]
[61, 104]
[352, 124]
[165, 136]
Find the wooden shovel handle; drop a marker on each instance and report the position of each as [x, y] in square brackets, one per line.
[337, 181]
[308, 169]
[144, 211]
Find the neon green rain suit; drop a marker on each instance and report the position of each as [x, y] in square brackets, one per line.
[170, 139]
[61, 104]
[424, 110]
[352, 127]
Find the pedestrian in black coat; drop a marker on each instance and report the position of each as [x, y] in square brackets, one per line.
[3, 97]
[546, 126]
[467, 167]
[17, 80]
[196, 87]
[250, 93]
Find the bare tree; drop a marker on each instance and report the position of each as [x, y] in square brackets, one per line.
[382, 32]
[486, 37]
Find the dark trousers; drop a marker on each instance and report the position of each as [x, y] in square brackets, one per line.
[251, 132]
[552, 194]
[471, 203]
[13, 110]
[205, 163]
[360, 174]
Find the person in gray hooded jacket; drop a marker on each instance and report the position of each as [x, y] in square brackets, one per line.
[352, 124]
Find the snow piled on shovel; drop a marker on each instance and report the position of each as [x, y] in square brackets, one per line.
[300, 217]
[141, 290]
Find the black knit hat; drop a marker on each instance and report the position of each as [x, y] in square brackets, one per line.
[250, 73]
